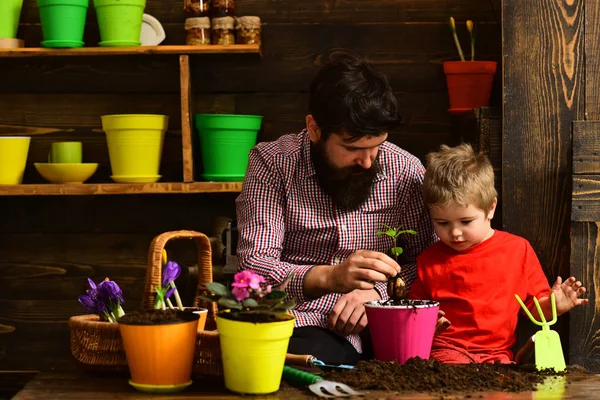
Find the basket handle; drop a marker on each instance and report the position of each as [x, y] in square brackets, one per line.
[154, 270]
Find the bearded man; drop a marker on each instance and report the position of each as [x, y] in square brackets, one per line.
[312, 203]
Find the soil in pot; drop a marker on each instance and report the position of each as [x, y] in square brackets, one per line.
[256, 317]
[418, 375]
[157, 317]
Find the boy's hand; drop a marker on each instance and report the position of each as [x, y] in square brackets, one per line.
[442, 323]
[567, 294]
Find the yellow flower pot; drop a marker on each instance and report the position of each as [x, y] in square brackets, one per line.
[13, 158]
[253, 354]
[135, 144]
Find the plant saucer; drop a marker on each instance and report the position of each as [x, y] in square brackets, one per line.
[224, 177]
[142, 387]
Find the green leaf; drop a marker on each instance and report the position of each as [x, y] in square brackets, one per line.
[397, 251]
[386, 226]
[285, 306]
[250, 303]
[275, 295]
[218, 289]
[408, 231]
[229, 303]
[211, 298]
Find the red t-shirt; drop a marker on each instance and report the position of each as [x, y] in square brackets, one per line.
[476, 289]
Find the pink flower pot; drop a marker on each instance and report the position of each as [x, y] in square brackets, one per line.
[402, 332]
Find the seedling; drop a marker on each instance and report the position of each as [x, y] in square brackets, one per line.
[396, 286]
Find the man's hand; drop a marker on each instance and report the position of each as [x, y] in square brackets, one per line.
[361, 271]
[442, 323]
[348, 316]
[567, 295]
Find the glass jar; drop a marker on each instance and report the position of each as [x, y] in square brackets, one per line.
[222, 8]
[196, 8]
[222, 31]
[197, 31]
[248, 30]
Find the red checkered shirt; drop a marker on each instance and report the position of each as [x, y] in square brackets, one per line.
[287, 223]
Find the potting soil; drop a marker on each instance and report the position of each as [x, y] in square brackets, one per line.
[430, 376]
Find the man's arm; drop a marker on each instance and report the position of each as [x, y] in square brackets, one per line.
[261, 209]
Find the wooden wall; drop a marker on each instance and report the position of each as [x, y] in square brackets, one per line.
[50, 245]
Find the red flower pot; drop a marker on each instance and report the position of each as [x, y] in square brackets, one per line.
[469, 84]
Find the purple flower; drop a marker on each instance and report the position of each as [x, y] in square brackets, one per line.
[109, 292]
[171, 272]
[89, 304]
[240, 293]
[169, 293]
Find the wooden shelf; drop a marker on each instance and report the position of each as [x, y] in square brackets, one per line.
[120, 188]
[134, 50]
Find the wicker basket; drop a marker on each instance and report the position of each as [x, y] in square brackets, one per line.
[98, 344]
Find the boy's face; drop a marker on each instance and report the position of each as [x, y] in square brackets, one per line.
[461, 227]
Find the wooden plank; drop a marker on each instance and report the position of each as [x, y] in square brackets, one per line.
[52, 215]
[586, 147]
[542, 96]
[186, 119]
[309, 11]
[584, 332]
[423, 47]
[586, 198]
[119, 188]
[592, 60]
[128, 51]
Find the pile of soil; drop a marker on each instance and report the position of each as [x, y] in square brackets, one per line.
[419, 375]
[157, 317]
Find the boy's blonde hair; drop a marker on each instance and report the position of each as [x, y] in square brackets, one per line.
[459, 175]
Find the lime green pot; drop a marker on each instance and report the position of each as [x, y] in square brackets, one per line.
[119, 21]
[10, 14]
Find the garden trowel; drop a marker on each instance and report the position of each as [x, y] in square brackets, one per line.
[548, 350]
[307, 360]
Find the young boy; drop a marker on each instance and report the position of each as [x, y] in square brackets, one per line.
[475, 271]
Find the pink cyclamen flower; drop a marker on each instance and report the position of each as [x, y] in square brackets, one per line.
[268, 289]
[240, 293]
[242, 279]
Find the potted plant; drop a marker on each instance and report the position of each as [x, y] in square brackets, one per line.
[254, 327]
[400, 328]
[469, 82]
[160, 343]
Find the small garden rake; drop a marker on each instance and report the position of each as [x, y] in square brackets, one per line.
[548, 350]
[317, 385]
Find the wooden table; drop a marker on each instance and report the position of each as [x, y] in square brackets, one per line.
[83, 385]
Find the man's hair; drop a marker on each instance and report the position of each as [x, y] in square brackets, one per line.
[349, 96]
[459, 175]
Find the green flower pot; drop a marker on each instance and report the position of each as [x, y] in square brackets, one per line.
[10, 13]
[119, 21]
[63, 22]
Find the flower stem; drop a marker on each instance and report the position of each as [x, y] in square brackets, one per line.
[169, 303]
[177, 298]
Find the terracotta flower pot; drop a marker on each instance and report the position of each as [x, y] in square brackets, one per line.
[469, 84]
[400, 332]
[160, 354]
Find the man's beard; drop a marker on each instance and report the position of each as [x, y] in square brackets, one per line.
[349, 187]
